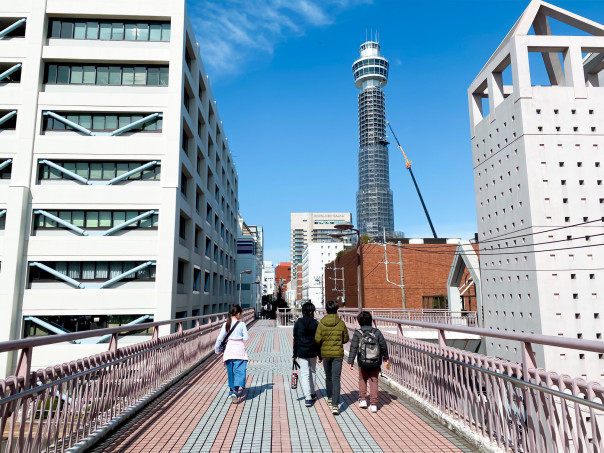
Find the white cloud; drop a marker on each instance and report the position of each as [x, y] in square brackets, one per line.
[232, 32]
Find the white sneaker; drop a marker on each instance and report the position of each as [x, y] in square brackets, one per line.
[363, 404]
[373, 408]
[234, 398]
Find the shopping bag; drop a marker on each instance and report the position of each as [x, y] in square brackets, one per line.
[294, 380]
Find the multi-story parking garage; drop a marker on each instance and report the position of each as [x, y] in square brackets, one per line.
[118, 192]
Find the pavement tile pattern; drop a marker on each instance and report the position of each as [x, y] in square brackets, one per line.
[196, 415]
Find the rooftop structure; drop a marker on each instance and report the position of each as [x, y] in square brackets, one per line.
[536, 122]
[375, 214]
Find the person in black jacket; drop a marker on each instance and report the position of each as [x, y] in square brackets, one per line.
[307, 351]
[375, 351]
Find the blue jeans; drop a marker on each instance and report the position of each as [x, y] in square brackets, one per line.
[236, 373]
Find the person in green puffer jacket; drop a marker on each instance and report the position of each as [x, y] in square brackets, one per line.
[331, 334]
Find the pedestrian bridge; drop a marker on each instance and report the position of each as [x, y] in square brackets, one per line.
[169, 393]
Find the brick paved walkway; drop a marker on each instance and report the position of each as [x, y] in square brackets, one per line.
[196, 416]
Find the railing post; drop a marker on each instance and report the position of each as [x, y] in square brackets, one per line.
[179, 327]
[155, 333]
[442, 340]
[24, 366]
[113, 344]
[528, 360]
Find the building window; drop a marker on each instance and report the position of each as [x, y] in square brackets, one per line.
[182, 228]
[18, 32]
[184, 182]
[109, 30]
[196, 279]
[208, 247]
[95, 220]
[180, 274]
[91, 74]
[208, 213]
[10, 124]
[206, 282]
[98, 170]
[91, 270]
[435, 302]
[107, 122]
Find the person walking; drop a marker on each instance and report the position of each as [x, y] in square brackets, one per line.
[230, 343]
[370, 349]
[331, 334]
[306, 351]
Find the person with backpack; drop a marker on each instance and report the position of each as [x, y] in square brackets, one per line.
[370, 349]
[230, 344]
[331, 334]
[306, 350]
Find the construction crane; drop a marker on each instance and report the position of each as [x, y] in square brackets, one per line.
[408, 165]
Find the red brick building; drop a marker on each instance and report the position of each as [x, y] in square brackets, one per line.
[299, 282]
[425, 268]
[283, 275]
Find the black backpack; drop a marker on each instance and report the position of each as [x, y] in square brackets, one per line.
[369, 355]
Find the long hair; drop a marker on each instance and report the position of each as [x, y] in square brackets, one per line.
[232, 312]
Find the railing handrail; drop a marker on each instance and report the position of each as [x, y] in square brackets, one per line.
[15, 345]
[548, 340]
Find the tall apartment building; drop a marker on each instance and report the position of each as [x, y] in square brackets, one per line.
[537, 155]
[375, 212]
[313, 227]
[118, 192]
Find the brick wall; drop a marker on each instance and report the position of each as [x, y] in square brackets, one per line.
[426, 269]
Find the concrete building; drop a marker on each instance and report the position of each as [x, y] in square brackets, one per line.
[250, 242]
[537, 155]
[316, 255]
[283, 275]
[375, 214]
[313, 227]
[118, 192]
[268, 279]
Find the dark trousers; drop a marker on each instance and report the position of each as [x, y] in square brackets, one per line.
[372, 375]
[333, 371]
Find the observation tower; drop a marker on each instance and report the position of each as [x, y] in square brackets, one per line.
[374, 197]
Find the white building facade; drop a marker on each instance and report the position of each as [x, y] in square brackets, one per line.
[268, 279]
[250, 242]
[313, 227]
[314, 258]
[537, 150]
[118, 191]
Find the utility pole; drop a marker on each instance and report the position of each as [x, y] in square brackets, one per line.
[400, 260]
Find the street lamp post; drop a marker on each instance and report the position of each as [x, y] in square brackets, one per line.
[349, 230]
[247, 271]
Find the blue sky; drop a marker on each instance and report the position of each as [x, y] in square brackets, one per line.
[280, 71]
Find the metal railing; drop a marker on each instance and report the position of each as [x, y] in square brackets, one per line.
[516, 406]
[455, 318]
[54, 408]
[287, 316]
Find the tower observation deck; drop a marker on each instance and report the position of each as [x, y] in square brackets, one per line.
[374, 197]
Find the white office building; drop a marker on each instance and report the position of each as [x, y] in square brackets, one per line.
[250, 242]
[118, 191]
[314, 258]
[313, 227]
[268, 279]
[537, 123]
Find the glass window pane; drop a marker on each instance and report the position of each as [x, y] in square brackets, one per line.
[115, 75]
[89, 74]
[155, 32]
[39, 221]
[51, 76]
[119, 217]
[77, 218]
[143, 32]
[132, 166]
[92, 219]
[150, 125]
[111, 122]
[108, 170]
[122, 167]
[55, 29]
[102, 269]
[77, 74]
[165, 32]
[117, 31]
[147, 222]
[74, 118]
[159, 124]
[124, 120]
[102, 75]
[115, 269]
[67, 30]
[86, 121]
[136, 118]
[92, 30]
[155, 220]
[96, 170]
[73, 269]
[163, 76]
[105, 31]
[71, 166]
[128, 75]
[105, 219]
[98, 122]
[63, 74]
[80, 30]
[140, 75]
[130, 215]
[65, 216]
[82, 169]
[130, 34]
[153, 76]
[50, 223]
